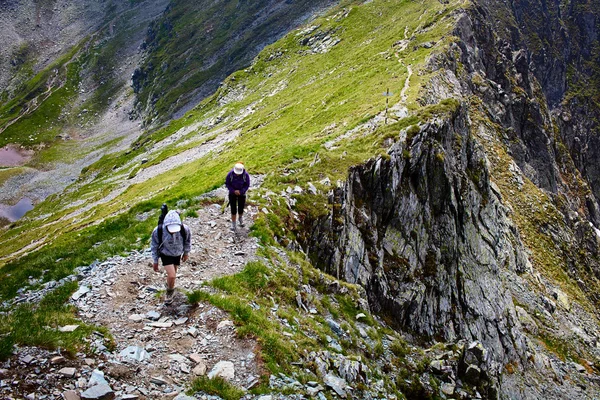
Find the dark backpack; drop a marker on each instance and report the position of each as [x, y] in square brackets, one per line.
[161, 219]
[230, 177]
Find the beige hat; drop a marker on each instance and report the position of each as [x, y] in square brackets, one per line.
[238, 168]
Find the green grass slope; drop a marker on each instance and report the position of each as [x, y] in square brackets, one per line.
[286, 106]
[196, 44]
[310, 106]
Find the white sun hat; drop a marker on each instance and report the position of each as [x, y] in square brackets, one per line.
[238, 168]
[173, 228]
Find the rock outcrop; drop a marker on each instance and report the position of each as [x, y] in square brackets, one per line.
[487, 204]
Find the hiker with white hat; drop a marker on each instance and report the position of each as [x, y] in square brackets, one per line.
[237, 182]
[172, 242]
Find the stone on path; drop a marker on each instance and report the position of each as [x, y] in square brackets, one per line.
[57, 360]
[199, 369]
[68, 372]
[70, 395]
[159, 380]
[97, 378]
[224, 369]
[27, 359]
[178, 358]
[224, 324]
[82, 291]
[136, 317]
[161, 324]
[193, 332]
[182, 396]
[153, 315]
[134, 353]
[197, 358]
[99, 392]
[181, 321]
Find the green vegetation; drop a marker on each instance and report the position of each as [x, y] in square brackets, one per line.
[44, 97]
[37, 325]
[286, 106]
[262, 301]
[217, 387]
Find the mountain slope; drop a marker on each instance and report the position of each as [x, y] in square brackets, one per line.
[195, 45]
[457, 206]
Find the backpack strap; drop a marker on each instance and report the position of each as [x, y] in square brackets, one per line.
[183, 233]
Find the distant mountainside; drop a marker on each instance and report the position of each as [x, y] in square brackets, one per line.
[195, 45]
[429, 165]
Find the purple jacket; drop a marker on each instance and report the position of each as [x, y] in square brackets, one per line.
[237, 182]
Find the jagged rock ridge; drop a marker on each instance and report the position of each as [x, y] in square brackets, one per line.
[438, 244]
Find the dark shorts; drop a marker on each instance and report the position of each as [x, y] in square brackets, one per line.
[170, 260]
[237, 203]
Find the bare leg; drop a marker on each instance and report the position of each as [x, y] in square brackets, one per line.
[171, 275]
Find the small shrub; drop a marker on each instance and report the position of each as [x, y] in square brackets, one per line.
[216, 386]
[196, 296]
[399, 348]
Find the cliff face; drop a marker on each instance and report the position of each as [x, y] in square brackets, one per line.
[482, 218]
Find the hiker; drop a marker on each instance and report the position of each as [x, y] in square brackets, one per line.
[237, 182]
[172, 242]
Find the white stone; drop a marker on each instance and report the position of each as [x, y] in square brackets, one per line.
[57, 360]
[68, 328]
[181, 321]
[159, 380]
[70, 395]
[161, 324]
[134, 353]
[68, 372]
[98, 392]
[178, 358]
[136, 317]
[83, 290]
[224, 369]
[97, 378]
[224, 324]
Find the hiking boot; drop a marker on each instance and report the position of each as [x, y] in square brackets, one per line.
[241, 221]
[169, 296]
[232, 227]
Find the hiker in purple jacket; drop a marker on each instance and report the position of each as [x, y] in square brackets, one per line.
[237, 182]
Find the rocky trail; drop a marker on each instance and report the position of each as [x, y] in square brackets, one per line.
[158, 349]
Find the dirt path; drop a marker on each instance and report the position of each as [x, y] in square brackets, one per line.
[159, 348]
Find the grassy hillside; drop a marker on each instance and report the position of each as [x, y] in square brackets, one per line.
[310, 106]
[195, 45]
[286, 106]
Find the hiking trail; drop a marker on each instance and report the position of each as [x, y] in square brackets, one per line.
[159, 349]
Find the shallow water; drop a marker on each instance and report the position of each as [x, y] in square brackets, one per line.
[13, 213]
[10, 157]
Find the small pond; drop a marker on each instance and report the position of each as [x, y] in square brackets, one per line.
[13, 213]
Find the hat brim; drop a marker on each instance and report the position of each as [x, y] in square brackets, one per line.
[173, 228]
[238, 171]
